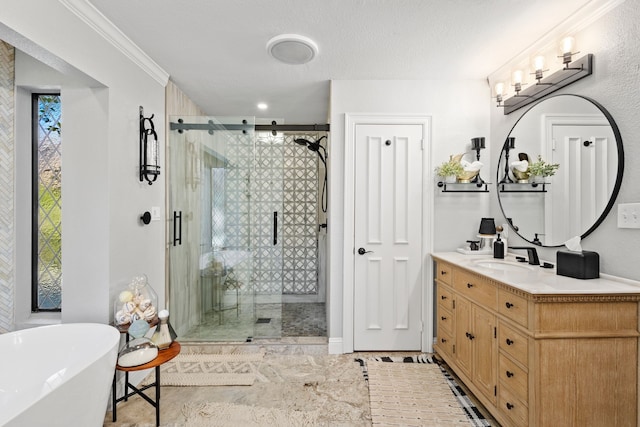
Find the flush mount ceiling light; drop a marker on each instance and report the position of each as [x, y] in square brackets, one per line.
[292, 48]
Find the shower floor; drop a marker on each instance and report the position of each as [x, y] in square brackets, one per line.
[269, 321]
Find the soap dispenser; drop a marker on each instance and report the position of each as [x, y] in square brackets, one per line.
[498, 248]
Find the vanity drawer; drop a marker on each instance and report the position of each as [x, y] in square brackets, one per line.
[516, 410]
[445, 342]
[443, 272]
[444, 297]
[514, 377]
[513, 306]
[476, 289]
[445, 319]
[513, 343]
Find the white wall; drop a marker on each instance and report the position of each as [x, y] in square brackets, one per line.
[614, 84]
[458, 110]
[104, 244]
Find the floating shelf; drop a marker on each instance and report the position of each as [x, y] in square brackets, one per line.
[526, 187]
[464, 187]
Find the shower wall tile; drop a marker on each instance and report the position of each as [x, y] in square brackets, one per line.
[282, 177]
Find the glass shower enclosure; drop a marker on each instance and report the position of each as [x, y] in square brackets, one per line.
[243, 227]
[210, 257]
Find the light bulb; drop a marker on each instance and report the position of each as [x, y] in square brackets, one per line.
[499, 88]
[538, 66]
[517, 76]
[568, 43]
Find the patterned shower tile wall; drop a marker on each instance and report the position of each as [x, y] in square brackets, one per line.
[279, 176]
[7, 231]
[267, 198]
[300, 222]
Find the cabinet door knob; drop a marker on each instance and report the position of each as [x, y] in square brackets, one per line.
[509, 342]
[509, 374]
[443, 340]
[442, 272]
[443, 318]
[469, 335]
[469, 285]
[508, 304]
[443, 297]
[509, 406]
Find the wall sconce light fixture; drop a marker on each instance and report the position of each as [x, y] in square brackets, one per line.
[509, 144]
[149, 149]
[478, 144]
[571, 72]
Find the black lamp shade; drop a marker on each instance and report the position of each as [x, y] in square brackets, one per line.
[477, 143]
[487, 226]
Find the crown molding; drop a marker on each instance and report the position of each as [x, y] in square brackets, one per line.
[105, 28]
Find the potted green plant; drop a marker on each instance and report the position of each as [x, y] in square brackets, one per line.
[450, 169]
[540, 169]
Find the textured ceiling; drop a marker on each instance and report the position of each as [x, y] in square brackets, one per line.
[214, 50]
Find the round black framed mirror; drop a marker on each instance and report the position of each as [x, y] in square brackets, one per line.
[578, 135]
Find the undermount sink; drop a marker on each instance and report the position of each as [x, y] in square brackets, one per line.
[503, 265]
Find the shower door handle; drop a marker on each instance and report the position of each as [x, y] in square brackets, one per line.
[275, 228]
[177, 228]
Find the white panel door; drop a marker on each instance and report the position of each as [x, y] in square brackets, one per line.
[388, 237]
[582, 184]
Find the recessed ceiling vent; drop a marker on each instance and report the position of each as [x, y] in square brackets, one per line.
[292, 48]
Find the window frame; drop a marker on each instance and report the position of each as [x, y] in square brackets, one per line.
[35, 202]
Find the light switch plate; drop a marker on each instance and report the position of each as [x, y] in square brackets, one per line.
[155, 213]
[629, 215]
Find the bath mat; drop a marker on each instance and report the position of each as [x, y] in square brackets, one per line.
[209, 369]
[212, 414]
[473, 415]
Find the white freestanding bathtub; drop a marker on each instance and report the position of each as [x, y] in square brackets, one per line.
[57, 375]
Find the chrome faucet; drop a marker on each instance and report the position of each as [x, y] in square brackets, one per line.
[531, 251]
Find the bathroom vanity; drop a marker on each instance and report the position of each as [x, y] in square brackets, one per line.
[538, 349]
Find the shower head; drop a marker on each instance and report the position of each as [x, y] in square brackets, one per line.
[313, 146]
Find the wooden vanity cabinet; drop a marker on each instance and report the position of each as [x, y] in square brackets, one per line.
[540, 360]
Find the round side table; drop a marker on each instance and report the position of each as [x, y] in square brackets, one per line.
[163, 357]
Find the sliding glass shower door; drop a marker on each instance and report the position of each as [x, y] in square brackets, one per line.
[211, 284]
[243, 227]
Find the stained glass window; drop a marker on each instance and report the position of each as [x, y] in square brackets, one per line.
[47, 203]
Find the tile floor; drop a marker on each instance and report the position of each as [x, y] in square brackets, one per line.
[279, 320]
[297, 374]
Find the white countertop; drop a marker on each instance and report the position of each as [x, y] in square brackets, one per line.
[535, 279]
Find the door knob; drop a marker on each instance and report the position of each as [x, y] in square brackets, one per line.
[363, 251]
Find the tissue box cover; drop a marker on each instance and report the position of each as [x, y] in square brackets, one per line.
[579, 265]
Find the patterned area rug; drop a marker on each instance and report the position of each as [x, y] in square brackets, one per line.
[209, 369]
[211, 414]
[436, 376]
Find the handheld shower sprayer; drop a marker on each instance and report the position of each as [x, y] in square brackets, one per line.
[315, 146]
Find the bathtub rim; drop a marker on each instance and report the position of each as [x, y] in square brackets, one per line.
[16, 406]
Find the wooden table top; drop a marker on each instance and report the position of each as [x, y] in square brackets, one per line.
[163, 356]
